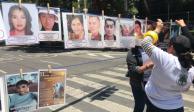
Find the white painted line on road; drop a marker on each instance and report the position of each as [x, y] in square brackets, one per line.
[107, 56]
[71, 109]
[103, 104]
[188, 97]
[91, 54]
[192, 88]
[87, 82]
[2, 71]
[105, 78]
[119, 92]
[120, 69]
[51, 62]
[113, 73]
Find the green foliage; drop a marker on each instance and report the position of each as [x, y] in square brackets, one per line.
[111, 7]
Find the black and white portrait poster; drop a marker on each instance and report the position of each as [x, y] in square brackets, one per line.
[95, 31]
[127, 39]
[21, 23]
[22, 91]
[52, 87]
[3, 33]
[75, 34]
[49, 24]
[110, 32]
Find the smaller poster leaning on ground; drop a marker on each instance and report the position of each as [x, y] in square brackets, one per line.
[21, 23]
[49, 24]
[22, 91]
[52, 87]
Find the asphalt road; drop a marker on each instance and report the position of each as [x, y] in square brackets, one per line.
[95, 79]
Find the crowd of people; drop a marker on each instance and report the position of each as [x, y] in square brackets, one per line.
[157, 81]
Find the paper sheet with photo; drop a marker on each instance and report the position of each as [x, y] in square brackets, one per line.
[22, 91]
[21, 23]
[95, 31]
[52, 87]
[74, 29]
[126, 36]
[49, 24]
[174, 30]
[139, 29]
[3, 33]
[110, 38]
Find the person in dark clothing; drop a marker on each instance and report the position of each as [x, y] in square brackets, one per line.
[138, 75]
[185, 31]
[136, 78]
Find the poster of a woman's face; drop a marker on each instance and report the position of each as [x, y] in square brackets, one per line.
[20, 22]
[75, 27]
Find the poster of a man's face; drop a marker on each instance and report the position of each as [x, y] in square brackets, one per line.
[49, 24]
[109, 28]
[20, 24]
[22, 91]
[48, 19]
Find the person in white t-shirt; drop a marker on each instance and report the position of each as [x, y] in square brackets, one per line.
[171, 75]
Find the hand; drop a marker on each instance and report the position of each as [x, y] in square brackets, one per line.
[180, 22]
[159, 26]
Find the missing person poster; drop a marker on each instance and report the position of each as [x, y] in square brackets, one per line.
[49, 24]
[95, 29]
[52, 87]
[21, 23]
[127, 39]
[3, 32]
[22, 91]
[174, 30]
[75, 34]
[110, 32]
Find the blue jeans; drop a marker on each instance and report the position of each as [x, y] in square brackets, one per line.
[139, 96]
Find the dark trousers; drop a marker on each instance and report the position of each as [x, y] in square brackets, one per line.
[152, 108]
[139, 96]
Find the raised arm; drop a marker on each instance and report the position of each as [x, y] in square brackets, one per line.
[151, 37]
[185, 31]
